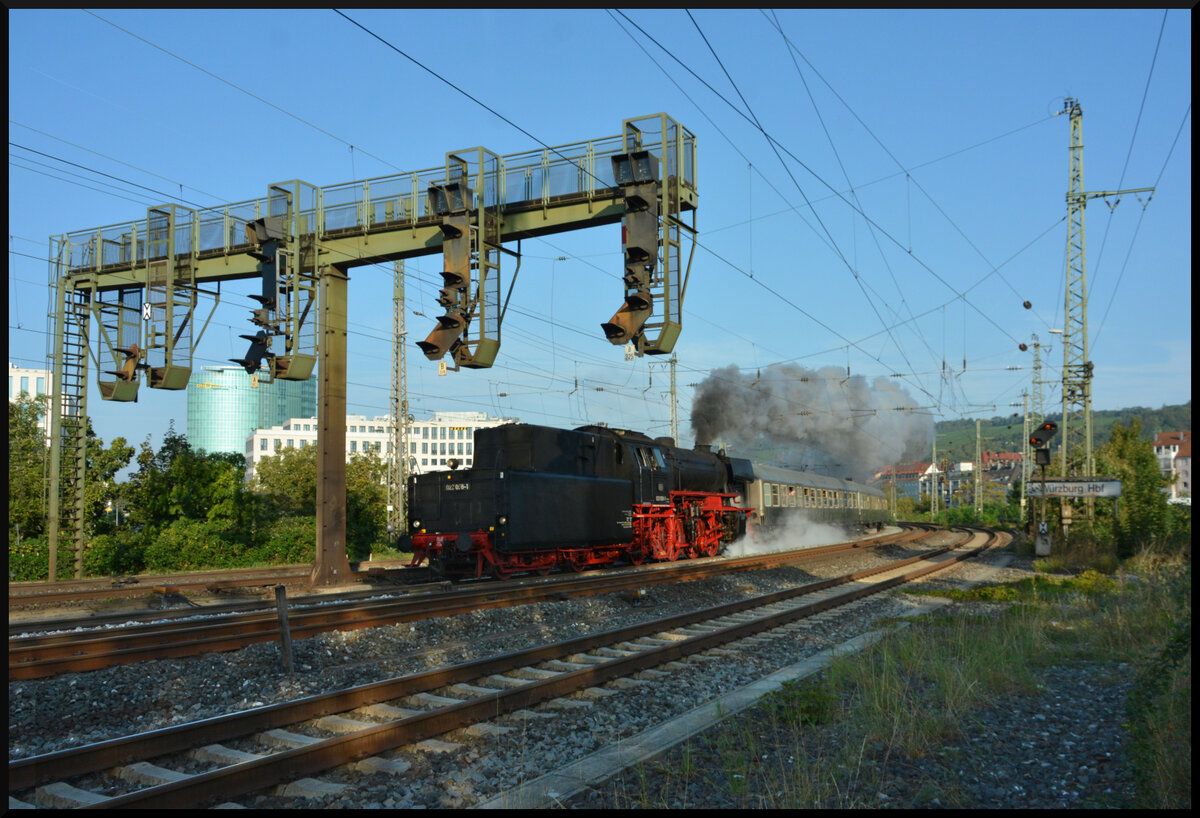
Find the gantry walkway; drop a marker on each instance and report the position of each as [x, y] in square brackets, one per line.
[131, 293]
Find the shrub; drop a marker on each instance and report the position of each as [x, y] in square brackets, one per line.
[118, 554]
[189, 545]
[29, 560]
[290, 541]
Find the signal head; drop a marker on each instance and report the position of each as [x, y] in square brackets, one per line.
[1042, 434]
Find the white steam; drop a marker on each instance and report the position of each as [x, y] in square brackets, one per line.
[821, 421]
[796, 532]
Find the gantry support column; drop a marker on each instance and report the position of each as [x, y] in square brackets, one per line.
[66, 506]
[331, 566]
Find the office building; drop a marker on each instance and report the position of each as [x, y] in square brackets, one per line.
[225, 405]
[31, 382]
[432, 443]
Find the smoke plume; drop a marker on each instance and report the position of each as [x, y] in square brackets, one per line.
[821, 421]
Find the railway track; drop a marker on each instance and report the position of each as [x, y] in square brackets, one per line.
[195, 764]
[41, 649]
[82, 591]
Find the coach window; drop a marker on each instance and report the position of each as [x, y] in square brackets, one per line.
[791, 496]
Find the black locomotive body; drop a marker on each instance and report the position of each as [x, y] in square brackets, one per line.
[539, 498]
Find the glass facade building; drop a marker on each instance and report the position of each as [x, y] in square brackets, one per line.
[226, 405]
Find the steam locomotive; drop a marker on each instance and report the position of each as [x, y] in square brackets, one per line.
[540, 498]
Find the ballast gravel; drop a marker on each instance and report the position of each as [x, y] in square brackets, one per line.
[1063, 747]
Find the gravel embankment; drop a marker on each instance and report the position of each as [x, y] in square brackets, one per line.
[1061, 748]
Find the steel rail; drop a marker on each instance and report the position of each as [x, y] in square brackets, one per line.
[36, 657]
[288, 765]
[24, 594]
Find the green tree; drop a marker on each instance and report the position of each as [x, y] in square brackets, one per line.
[29, 551]
[100, 487]
[26, 464]
[289, 480]
[207, 491]
[1143, 516]
[179, 482]
[907, 509]
[366, 505]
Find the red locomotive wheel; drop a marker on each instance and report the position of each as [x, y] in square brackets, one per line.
[499, 571]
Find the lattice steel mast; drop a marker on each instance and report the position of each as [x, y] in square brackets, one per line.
[397, 509]
[1076, 423]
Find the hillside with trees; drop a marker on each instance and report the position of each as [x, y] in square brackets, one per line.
[956, 438]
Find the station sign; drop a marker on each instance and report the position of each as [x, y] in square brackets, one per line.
[1074, 488]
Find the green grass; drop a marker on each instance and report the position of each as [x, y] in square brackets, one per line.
[906, 698]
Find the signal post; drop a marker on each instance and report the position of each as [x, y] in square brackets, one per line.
[1040, 441]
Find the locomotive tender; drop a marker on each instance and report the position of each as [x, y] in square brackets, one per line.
[539, 498]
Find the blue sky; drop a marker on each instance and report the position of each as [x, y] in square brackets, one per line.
[938, 127]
